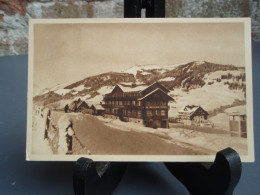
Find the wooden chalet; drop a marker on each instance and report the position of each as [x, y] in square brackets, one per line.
[97, 109]
[78, 106]
[148, 106]
[192, 115]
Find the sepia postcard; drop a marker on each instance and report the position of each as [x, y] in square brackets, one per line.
[139, 89]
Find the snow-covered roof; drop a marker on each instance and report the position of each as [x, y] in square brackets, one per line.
[237, 110]
[153, 84]
[135, 89]
[153, 92]
[189, 109]
[79, 104]
[98, 106]
[167, 79]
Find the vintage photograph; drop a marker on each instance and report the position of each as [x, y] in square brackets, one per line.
[139, 89]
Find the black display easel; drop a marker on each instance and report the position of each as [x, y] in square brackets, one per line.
[101, 178]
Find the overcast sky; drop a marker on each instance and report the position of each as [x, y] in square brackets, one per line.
[65, 53]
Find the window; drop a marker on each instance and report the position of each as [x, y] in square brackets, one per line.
[128, 112]
[138, 103]
[148, 113]
[162, 112]
[156, 112]
[139, 113]
[120, 103]
[133, 102]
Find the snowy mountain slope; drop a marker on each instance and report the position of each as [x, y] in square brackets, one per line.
[142, 68]
[200, 83]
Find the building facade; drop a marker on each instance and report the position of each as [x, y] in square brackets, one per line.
[97, 109]
[237, 125]
[148, 106]
[78, 106]
[193, 115]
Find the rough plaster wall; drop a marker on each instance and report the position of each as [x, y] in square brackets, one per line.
[14, 15]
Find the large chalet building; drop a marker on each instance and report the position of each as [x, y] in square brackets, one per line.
[148, 106]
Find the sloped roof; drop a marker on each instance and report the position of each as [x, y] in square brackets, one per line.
[115, 88]
[236, 111]
[134, 89]
[158, 89]
[156, 83]
[80, 103]
[190, 110]
[97, 107]
[72, 105]
[76, 104]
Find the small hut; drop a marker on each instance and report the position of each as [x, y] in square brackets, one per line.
[78, 106]
[97, 109]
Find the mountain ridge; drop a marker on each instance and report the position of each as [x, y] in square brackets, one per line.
[189, 76]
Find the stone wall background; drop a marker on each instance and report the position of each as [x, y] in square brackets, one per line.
[14, 15]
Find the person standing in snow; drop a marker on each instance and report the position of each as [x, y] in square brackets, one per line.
[48, 121]
[66, 132]
[66, 109]
[69, 134]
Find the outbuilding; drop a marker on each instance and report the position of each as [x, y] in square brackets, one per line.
[192, 115]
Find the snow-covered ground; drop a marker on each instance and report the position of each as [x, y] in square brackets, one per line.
[134, 69]
[74, 90]
[185, 137]
[167, 79]
[214, 75]
[57, 88]
[105, 89]
[62, 91]
[221, 120]
[236, 110]
[145, 73]
[96, 100]
[79, 88]
[209, 97]
[39, 144]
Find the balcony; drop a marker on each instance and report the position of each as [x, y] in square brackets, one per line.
[156, 107]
